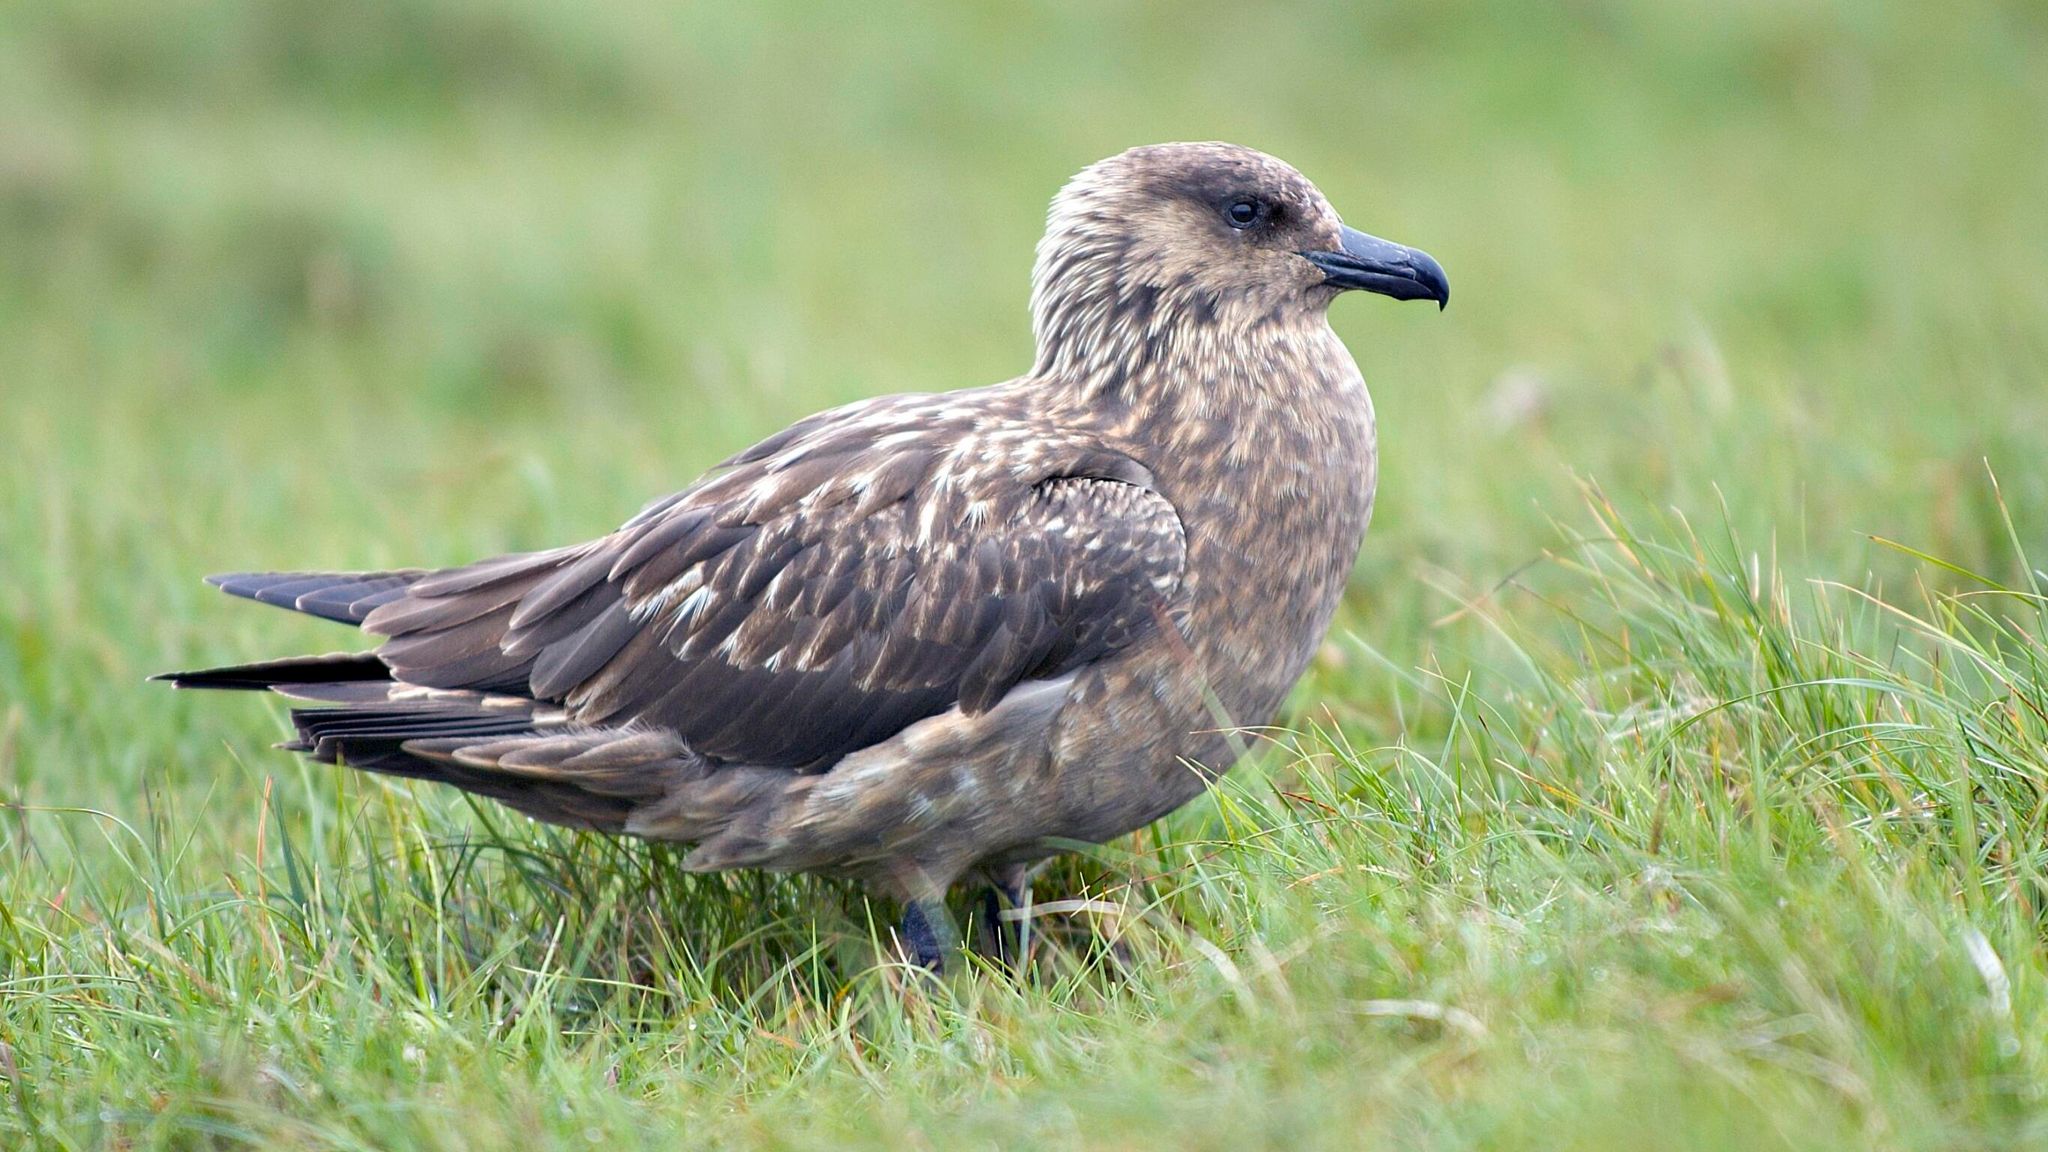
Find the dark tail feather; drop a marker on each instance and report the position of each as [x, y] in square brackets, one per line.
[343, 597]
[369, 736]
[381, 738]
[335, 668]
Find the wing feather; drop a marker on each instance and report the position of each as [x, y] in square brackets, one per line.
[855, 574]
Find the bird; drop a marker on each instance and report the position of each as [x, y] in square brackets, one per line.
[936, 638]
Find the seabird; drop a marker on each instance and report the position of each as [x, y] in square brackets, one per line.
[927, 638]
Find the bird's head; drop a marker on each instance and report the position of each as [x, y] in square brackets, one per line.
[1213, 231]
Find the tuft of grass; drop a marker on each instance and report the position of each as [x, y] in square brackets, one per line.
[1696, 840]
[1676, 773]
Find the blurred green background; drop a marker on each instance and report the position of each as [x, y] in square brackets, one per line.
[354, 285]
[332, 284]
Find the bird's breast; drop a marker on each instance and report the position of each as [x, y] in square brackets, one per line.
[1274, 481]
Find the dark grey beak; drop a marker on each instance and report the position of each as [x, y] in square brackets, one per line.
[1384, 267]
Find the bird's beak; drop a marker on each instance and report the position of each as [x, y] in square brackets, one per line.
[1384, 267]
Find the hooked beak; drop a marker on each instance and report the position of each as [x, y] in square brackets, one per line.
[1384, 267]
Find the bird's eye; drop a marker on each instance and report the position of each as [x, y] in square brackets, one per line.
[1244, 212]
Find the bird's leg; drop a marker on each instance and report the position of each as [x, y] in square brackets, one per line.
[988, 935]
[1009, 889]
[925, 933]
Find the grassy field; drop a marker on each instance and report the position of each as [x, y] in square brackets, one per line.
[1676, 776]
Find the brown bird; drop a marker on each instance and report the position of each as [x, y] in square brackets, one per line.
[923, 638]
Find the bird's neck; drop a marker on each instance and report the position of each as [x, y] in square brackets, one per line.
[1263, 437]
[1203, 384]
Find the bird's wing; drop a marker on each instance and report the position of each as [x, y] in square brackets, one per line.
[838, 582]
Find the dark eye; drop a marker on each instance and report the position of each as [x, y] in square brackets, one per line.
[1244, 212]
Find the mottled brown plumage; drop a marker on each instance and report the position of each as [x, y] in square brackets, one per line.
[923, 636]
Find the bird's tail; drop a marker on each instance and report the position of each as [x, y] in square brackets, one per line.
[489, 737]
[517, 751]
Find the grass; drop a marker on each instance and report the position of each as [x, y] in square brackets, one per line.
[1677, 772]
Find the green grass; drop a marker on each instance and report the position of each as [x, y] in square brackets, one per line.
[1677, 774]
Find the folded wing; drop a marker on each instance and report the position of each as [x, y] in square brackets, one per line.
[837, 583]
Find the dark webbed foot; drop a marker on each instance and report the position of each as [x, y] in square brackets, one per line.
[1001, 928]
[919, 936]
